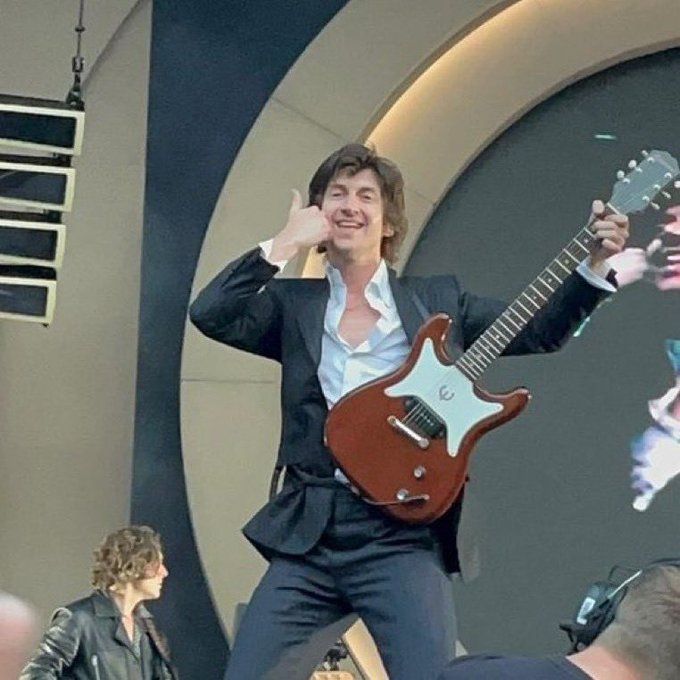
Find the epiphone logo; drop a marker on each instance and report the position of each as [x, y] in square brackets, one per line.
[445, 394]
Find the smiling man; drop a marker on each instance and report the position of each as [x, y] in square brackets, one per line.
[110, 635]
[331, 553]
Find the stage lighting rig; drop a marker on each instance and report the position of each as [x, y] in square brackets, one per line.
[38, 141]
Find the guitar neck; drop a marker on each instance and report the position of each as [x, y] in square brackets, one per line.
[633, 192]
[493, 341]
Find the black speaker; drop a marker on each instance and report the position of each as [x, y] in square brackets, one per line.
[41, 125]
[27, 293]
[36, 183]
[35, 188]
[31, 238]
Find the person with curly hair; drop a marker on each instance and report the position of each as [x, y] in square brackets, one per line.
[110, 635]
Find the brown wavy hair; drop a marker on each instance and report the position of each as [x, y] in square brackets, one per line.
[124, 556]
[353, 158]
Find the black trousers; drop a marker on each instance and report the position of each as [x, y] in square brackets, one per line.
[388, 573]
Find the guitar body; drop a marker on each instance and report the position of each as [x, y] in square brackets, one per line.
[405, 440]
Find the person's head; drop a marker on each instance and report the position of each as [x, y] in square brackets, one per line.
[362, 195]
[130, 561]
[18, 630]
[646, 627]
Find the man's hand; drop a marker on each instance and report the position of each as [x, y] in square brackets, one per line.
[630, 265]
[306, 228]
[611, 234]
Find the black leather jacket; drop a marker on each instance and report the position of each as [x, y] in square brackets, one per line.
[86, 641]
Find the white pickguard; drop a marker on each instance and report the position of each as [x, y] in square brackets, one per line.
[447, 392]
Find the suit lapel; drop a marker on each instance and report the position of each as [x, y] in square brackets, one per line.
[311, 303]
[411, 318]
[311, 308]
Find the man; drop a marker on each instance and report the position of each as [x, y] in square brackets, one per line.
[330, 552]
[110, 635]
[641, 643]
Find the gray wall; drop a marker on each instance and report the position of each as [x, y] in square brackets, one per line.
[66, 404]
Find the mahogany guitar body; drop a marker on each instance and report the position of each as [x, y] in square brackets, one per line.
[405, 440]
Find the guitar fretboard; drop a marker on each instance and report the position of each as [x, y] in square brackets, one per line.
[493, 341]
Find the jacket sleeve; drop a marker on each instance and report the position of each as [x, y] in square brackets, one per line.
[57, 649]
[551, 326]
[240, 308]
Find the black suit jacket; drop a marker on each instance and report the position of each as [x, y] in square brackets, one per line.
[282, 319]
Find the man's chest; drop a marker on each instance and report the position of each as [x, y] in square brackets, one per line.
[357, 321]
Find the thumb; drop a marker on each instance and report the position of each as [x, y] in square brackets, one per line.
[597, 210]
[296, 203]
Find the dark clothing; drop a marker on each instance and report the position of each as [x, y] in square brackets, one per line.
[331, 553]
[86, 641]
[282, 319]
[512, 668]
[364, 563]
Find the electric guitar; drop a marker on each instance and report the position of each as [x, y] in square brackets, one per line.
[404, 441]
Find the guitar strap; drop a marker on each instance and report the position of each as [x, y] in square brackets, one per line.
[422, 310]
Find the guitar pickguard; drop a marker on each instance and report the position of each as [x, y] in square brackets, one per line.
[447, 392]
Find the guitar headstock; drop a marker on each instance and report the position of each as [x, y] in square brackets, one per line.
[646, 184]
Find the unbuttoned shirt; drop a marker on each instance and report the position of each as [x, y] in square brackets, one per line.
[343, 367]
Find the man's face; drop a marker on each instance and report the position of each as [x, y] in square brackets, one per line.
[149, 587]
[353, 205]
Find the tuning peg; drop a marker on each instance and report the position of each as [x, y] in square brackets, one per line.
[646, 199]
[632, 164]
[676, 184]
[644, 153]
[665, 194]
[620, 174]
[656, 206]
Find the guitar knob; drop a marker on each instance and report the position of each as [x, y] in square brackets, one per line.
[419, 472]
[403, 494]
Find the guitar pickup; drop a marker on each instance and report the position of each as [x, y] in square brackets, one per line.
[398, 425]
[420, 415]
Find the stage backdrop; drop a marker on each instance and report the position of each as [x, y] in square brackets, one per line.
[213, 66]
[553, 487]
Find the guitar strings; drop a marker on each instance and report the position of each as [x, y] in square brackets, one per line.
[422, 409]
